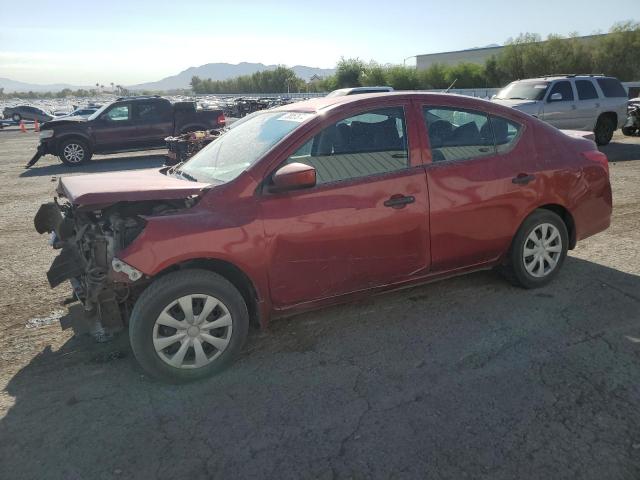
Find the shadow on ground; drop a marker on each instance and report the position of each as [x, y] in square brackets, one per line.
[106, 164]
[465, 378]
[621, 151]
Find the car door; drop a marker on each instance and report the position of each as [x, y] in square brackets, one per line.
[561, 112]
[154, 121]
[588, 104]
[115, 129]
[364, 224]
[481, 180]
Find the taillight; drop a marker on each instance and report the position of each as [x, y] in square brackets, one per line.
[597, 156]
[221, 120]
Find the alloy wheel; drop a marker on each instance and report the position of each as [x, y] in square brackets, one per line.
[192, 331]
[542, 250]
[73, 153]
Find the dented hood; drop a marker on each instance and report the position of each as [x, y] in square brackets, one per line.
[102, 189]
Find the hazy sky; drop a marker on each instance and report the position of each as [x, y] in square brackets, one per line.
[83, 42]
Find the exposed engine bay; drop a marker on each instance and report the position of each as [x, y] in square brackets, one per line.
[89, 240]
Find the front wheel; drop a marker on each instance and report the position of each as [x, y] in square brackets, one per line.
[538, 250]
[188, 325]
[74, 152]
[16, 117]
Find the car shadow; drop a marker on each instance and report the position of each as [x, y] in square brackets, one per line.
[471, 363]
[621, 151]
[98, 165]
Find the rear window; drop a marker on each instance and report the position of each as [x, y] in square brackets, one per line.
[611, 87]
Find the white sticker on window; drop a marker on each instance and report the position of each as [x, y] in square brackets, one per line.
[540, 86]
[297, 117]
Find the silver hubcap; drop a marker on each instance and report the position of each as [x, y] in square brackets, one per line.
[542, 250]
[192, 331]
[73, 153]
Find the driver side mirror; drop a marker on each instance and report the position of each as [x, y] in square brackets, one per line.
[293, 176]
[555, 97]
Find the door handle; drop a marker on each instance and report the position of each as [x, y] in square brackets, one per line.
[399, 201]
[522, 179]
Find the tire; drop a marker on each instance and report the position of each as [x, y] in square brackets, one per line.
[603, 132]
[74, 152]
[151, 331]
[16, 117]
[629, 131]
[516, 269]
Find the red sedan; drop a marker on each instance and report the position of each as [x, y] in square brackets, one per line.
[317, 203]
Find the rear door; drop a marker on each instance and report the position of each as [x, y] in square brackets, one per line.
[561, 113]
[115, 129]
[154, 121]
[480, 179]
[588, 104]
[365, 223]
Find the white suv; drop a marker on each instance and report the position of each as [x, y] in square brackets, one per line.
[574, 102]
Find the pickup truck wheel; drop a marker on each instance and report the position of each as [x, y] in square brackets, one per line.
[538, 250]
[188, 325]
[604, 130]
[74, 152]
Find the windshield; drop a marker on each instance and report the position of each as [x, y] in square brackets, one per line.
[240, 147]
[523, 91]
[98, 112]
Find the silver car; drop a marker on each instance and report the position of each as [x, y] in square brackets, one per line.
[573, 102]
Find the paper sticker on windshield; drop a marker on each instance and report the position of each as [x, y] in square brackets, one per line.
[540, 86]
[297, 117]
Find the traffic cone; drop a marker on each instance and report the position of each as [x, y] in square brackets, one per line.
[23, 129]
[36, 125]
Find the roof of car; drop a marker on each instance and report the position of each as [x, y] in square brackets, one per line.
[561, 76]
[319, 104]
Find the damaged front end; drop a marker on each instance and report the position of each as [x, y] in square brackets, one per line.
[89, 240]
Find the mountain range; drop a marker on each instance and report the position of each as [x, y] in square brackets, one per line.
[215, 71]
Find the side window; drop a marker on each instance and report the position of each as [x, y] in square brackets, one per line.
[367, 144]
[586, 90]
[562, 87]
[611, 87]
[458, 134]
[152, 111]
[505, 133]
[119, 113]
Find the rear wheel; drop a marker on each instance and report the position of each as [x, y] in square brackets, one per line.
[74, 152]
[538, 250]
[188, 325]
[603, 132]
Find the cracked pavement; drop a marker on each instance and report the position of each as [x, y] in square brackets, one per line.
[465, 378]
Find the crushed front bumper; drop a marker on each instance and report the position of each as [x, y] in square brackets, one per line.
[40, 152]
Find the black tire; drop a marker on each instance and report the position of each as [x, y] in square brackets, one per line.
[514, 269]
[16, 117]
[605, 126]
[629, 131]
[158, 296]
[82, 153]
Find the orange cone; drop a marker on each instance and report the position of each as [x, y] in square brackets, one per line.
[36, 125]
[23, 129]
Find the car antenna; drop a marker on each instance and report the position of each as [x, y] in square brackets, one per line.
[451, 86]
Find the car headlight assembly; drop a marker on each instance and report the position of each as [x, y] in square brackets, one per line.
[46, 133]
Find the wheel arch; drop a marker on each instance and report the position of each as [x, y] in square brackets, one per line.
[233, 274]
[70, 136]
[566, 217]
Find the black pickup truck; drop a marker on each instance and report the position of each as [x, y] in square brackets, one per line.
[126, 125]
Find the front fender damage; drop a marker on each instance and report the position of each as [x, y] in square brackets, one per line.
[89, 240]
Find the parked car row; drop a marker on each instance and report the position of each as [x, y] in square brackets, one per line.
[312, 204]
[31, 113]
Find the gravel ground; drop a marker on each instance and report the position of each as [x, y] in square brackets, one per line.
[465, 378]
